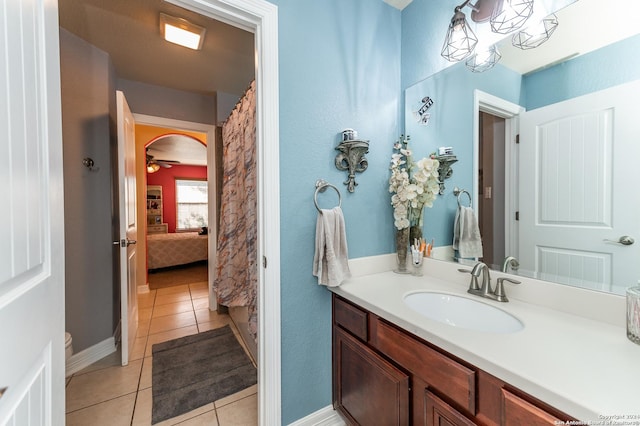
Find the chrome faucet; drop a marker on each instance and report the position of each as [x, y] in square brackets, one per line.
[484, 289]
[510, 262]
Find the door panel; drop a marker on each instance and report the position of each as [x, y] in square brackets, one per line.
[32, 242]
[578, 174]
[128, 226]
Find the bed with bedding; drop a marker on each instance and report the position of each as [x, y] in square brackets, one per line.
[164, 250]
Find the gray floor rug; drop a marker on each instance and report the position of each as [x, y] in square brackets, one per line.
[195, 370]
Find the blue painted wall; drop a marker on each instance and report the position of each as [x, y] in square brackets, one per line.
[345, 64]
[339, 68]
[452, 91]
[598, 70]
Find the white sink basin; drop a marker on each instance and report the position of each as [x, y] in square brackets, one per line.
[462, 312]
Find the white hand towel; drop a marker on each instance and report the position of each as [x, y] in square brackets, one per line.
[466, 234]
[330, 261]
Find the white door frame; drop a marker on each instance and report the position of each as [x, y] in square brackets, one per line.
[261, 18]
[210, 131]
[484, 102]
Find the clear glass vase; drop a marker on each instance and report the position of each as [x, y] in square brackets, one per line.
[415, 230]
[402, 250]
[633, 314]
[415, 233]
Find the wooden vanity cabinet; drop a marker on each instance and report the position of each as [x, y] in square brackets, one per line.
[383, 375]
[368, 390]
[440, 413]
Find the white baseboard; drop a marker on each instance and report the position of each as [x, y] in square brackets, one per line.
[85, 358]
[326, 416]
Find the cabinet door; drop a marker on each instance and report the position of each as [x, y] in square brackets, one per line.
[368, 390]
[439, 413]
[516, 411]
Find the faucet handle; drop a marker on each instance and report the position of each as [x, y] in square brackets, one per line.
[473, 284]
[499, 292]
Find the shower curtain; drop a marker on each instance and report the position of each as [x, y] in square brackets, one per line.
[237, 275]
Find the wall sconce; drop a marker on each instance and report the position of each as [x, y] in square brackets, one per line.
[505, 16]
[510, 15]
[460, 40]
[483, 59]
[351, 157]
[444, 169]
[534, 36]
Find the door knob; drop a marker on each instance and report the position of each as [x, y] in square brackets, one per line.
[625, 240]
[124, 243]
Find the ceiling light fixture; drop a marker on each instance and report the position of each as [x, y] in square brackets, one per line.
[182, 32]
[152, 167]
[460, 40]
[483, 59]
[534, 36]
[510, 15]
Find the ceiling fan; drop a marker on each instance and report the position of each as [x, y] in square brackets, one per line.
[154, 165]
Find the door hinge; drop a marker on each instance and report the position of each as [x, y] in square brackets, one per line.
[517, 215]
[264, 261]
[517, 138]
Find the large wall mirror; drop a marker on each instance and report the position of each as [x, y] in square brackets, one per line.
[564, 201]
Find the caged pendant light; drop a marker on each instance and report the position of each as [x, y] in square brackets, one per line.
[483, 59]
[460, 39]
[510, 15]
[534, 36]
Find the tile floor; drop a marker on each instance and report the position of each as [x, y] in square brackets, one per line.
[107, 394]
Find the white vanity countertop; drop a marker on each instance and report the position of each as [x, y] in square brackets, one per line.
[586, 368]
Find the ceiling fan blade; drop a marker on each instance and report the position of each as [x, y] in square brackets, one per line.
[168, 161]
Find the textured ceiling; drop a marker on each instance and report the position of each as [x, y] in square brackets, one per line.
[129, 30]
[180, 148]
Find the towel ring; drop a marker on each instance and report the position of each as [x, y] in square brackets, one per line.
[458, 192]
[321, 186]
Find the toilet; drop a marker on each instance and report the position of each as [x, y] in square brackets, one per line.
[68, 348]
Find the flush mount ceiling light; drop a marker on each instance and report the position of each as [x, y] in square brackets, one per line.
[460, 40]
[534, 36]
[182, 32]
[483, 59]
[510, 15]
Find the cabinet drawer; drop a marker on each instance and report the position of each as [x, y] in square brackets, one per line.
[517, 411]
[157, 229]
[440, 372]
[439, 412]
[349, 317]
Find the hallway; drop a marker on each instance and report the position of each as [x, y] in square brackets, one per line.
[107, 394]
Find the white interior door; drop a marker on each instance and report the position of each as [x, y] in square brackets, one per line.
[32, 239]
[579, 175]
[128, 226]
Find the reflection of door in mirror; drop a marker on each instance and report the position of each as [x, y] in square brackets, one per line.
[579, 190]
[495, 176]
[491, 184]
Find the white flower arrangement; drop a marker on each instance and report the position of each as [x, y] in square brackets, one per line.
[414, 185]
